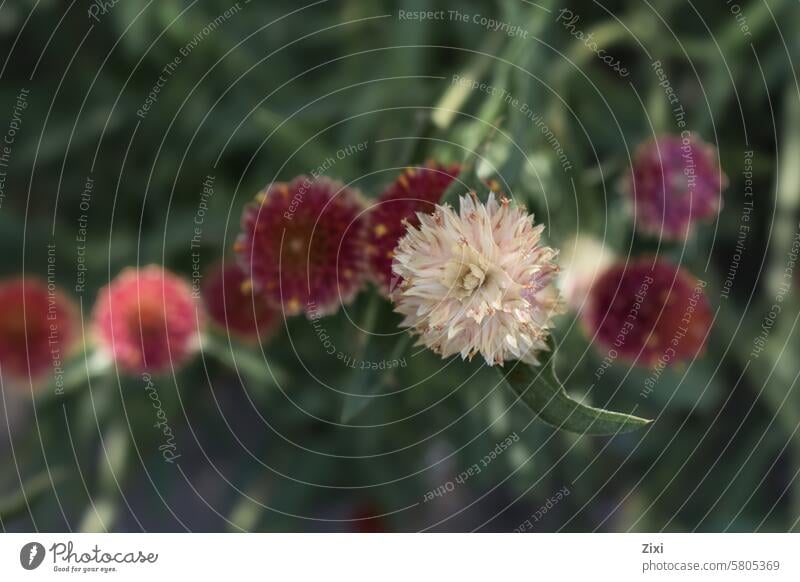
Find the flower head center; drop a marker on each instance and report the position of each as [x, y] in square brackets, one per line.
[467, 273]
[149, 320]
[678, 182]
[473, 278]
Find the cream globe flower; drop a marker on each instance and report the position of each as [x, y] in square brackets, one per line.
[583, 260]
[477, 281]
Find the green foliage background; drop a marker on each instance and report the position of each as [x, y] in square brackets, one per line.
[271, 93]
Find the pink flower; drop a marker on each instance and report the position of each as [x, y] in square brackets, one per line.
[674, 182]
[147, 320]
[302, 245]
[649, 310]
[233, 306]
[415, 190]
[38, 328]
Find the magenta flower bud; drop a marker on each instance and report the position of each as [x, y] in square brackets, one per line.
[675, 182]
[648, 310]
[415, 190]
[302, 246]
[234, 308]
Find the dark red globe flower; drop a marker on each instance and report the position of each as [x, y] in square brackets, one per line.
[675, 181]
[415, 190]
[147, 320]
[232, 305]
[38, 328]
[302, 245]
[648, 311]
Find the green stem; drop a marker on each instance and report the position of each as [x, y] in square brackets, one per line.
[112, 466]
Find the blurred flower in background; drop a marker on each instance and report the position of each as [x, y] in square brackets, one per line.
[648, 311]
[674, 182]
[233, 307]
[39, 328]
[147, 320]
[302, 245]
[582, 260]
[417, 189]
[478, 281]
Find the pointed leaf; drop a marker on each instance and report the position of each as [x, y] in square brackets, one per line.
[545, 395]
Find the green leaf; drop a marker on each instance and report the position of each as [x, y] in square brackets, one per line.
[78, 372]
[36, 488]
[361, 395]
[364, 392]
[467, 181]
[541, 390]
[363, 387]
[247, 362]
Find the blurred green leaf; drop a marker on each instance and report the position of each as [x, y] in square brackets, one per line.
[36, 488]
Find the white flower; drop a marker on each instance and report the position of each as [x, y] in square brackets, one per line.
[583, 260]
[478, 281]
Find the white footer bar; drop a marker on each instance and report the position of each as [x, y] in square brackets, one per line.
[401, 557]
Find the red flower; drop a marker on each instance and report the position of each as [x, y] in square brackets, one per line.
[367, 517]
[38, 328]
[302, 245]
[147, 320]
[674, 182]
[415, 190]
[233, 306]
[648, 310]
